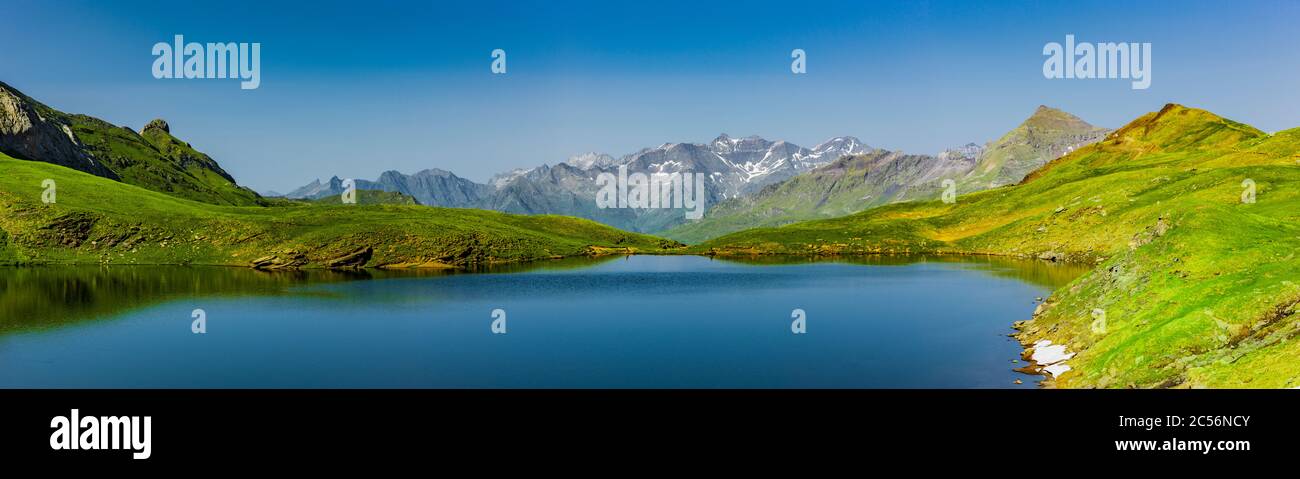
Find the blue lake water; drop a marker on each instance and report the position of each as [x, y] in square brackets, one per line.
[640, 321]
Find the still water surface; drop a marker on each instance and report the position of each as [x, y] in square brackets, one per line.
[640, 321]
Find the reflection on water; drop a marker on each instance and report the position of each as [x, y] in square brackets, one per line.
[641, 321]
[1051, 275]
[48, 297]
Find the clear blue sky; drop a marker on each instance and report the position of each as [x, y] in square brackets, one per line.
[355, 88]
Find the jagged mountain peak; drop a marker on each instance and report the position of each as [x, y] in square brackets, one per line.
[683, 147]
[969, 151]
[591, 160]
[840, 139]
[500, 180]
[725, 144]
[435, 172]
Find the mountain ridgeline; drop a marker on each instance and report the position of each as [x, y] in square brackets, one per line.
[428, 187]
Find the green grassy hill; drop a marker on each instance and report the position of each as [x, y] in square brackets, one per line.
[1197, 287]
[96, 220]
[152, 159]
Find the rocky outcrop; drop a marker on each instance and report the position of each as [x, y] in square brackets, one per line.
[288, 259]
[294, 259]
[180, 154]
[158, 124]
[355, 259]
[31, 131]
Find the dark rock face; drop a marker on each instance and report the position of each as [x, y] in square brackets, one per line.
[31, 131]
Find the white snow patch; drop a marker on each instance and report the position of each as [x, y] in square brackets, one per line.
[1057, 369]
[1052, 357]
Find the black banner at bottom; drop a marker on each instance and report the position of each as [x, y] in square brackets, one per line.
[148, 427]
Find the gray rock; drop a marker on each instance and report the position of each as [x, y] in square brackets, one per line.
[32, 131]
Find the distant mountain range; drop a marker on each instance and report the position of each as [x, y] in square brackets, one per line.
[752, 181]
[736, 167]
[432, 187]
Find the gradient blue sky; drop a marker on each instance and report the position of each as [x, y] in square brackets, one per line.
[355, 88]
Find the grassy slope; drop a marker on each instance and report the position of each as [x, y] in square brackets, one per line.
[156, 160]
[370, 197]
[1198, 288]
[96, 220]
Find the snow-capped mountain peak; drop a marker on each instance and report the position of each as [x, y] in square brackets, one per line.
[503, 179]
[590, 160]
